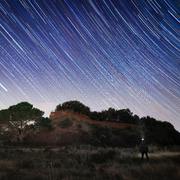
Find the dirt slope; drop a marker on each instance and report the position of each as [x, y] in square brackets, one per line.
[70, 128]
[56, 116]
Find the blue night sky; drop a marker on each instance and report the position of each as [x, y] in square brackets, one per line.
[104, 53]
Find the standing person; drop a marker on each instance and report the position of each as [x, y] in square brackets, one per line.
[143, 148]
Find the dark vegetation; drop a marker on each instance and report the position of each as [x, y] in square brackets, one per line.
[14, 121]
[110, 137]
[16, 126]
[155, 132]
[85, 163]
[65, 123]
[43, 123]
[74, 106]
[94, 152]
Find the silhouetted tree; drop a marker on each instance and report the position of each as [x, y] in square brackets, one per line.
[58, 107]
[17, 118]
[74, 106]
[136, 119]
[158, 132]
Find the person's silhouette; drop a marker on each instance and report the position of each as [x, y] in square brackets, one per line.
[143, 148]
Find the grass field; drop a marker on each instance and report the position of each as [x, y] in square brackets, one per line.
[86, 162]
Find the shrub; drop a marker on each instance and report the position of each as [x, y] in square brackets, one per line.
[102, 156]
[44, 123]
[65, 123]
[27, 164]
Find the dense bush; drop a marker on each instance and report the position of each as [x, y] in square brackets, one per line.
[74, 106]
[44, 123]
[158, 132]
[109, 137]
[102, 156]
[65, 123]
[123, 115]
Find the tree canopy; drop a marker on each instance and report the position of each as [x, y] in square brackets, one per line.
[160, 132]
[18, 116]
[74, 106]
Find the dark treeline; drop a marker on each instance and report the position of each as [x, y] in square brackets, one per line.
[155, 131]
[122, 115]
[16, 125]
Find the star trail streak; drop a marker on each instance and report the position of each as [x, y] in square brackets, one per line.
[105, 53]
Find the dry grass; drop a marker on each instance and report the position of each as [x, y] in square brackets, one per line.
[86, 162]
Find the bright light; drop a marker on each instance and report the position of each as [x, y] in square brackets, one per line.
[4, 88]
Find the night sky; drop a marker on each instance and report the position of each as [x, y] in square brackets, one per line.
[104, 53]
